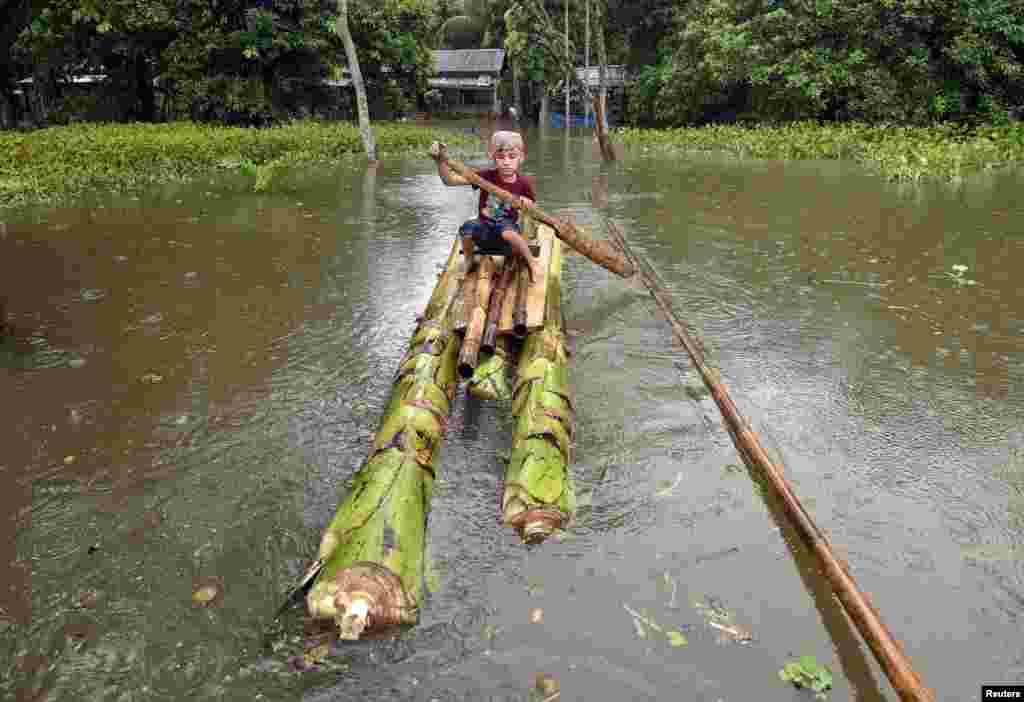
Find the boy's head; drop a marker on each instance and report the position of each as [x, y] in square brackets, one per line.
[508, 151]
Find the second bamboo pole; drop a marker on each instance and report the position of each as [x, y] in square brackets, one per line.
[858, 606]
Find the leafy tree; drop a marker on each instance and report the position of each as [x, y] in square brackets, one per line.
[17, 14]
[872, 60]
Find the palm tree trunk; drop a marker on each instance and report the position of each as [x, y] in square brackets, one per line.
[601, 106]
[357, 81]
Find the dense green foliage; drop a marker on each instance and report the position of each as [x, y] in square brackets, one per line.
[901, 153]
[909, 61]
[231, 61]
[59, 163]
[246, 62]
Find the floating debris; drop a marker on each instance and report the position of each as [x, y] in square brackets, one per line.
[547, 684]
[676, 638]
[666, 488]
[808, 673]
[732, 632]
[208, 592]
[152, 378]
[719, 618]
[536, 615]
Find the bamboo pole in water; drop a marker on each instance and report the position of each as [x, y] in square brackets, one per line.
[539, 496]
[600, 252]
[858, 606]
[369, 569]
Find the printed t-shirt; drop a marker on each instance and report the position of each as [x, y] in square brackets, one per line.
[491, 207]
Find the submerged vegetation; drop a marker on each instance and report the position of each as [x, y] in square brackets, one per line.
[900, 153]
[60, 163]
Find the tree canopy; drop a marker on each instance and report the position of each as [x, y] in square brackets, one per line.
[255, 61]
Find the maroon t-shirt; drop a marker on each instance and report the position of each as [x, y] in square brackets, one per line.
[491, 207]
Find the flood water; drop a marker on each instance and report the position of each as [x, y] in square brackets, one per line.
[190, 377]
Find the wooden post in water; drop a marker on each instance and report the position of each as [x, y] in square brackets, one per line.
[858, 606]
[600, 252]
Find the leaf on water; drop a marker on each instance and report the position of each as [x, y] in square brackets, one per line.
[667, 488]
[204, 595]
[989, 553]
[806, 672]
[676, 638]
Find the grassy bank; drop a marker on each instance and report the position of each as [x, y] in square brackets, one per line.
[56, 165]
[908, 154]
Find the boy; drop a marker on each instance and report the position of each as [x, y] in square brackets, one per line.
[496, 230]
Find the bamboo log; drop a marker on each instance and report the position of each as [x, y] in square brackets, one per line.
[519, 309]
[501, 288]
[856, 603]
[477, 306]
[369, 567]
[600, 252]
[463, 305]
[489, 381]
[538, 495]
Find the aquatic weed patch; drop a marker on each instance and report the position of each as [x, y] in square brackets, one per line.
[905, 154]
[61, 163]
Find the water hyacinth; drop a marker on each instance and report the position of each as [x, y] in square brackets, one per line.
[904, 154]
[58, 164]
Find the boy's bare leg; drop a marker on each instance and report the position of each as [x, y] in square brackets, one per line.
[523, 249]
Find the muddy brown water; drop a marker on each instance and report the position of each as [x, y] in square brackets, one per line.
[190, 377]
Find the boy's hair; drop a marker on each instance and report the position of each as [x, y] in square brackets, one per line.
[503, 140]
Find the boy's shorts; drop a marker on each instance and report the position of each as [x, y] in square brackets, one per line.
[486, 235]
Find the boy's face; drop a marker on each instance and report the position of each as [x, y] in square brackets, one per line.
[508, 161]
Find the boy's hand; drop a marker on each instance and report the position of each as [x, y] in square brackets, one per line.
[435, 150]
[525, 201]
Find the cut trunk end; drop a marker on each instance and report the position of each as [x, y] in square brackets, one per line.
[364, 596]
[534, 526]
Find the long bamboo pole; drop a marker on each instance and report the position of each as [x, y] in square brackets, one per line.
[858, 606]
[600, 252]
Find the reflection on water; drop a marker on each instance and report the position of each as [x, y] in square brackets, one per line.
[192, 378]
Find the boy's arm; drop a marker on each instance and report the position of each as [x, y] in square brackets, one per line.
[447, 177]
[530, 194]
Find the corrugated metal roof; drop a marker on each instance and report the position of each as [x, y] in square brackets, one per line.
[481, 82]
[615, 75]
[469, 60]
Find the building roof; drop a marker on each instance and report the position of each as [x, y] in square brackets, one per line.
[478, 82]
[469, 60]
[615, 75]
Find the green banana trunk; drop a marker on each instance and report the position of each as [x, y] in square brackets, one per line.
[490, 378]
[539, 496]
[373, 550]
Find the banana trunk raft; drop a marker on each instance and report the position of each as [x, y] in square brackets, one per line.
[371, 558]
